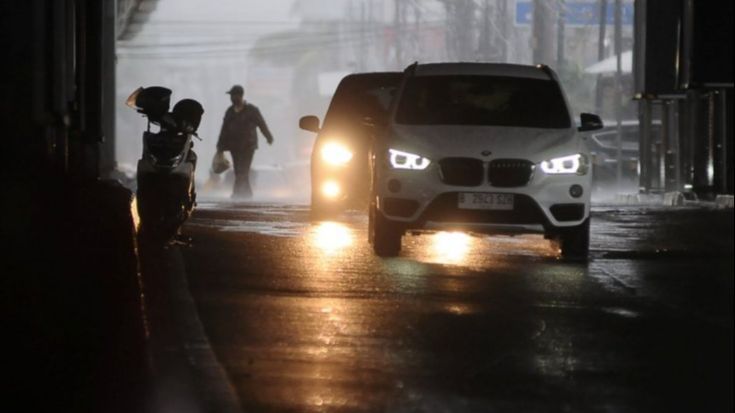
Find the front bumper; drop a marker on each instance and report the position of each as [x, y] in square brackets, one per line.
[424, 201]
[352, 181]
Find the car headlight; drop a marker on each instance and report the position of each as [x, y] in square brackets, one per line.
[572, 164]
[336, 154]
[406, 160]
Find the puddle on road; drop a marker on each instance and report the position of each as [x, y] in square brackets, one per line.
[655, 254]
[347, 236]
[444, 248]
[328, 235]
[473, 250]
[253, 208]
[622, 312]
[276, 229]
[332, 237]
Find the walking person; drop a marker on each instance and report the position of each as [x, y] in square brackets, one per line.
[240, 137]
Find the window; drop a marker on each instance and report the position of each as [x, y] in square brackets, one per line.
[483, 100]
[361, 96]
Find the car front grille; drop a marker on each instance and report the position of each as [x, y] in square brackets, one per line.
[461, 171]
[508, 173]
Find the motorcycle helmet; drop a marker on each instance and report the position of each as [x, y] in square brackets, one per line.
[188, 114]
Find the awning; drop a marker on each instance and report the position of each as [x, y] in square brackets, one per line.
[132, 15]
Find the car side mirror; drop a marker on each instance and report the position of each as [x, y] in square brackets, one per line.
[309, 123]
[589, 122]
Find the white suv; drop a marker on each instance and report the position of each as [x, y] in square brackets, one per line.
[488, 148]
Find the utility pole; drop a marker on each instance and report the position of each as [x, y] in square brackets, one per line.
[363, 43]
[560, 34]
[725, 130]
[464, 29]
[484, 44]
[398, 29]
[461, 41]
[601, 52]
[417, 49]
[502, 18]
[543, 32]
[619, 86]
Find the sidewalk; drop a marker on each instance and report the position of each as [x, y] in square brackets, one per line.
[673, 199]
[75, 321]
[97, 322]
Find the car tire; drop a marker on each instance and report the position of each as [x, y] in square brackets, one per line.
[575, 242]
[384, 235]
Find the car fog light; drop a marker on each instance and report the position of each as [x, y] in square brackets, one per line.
[576, 191]
[331, 189]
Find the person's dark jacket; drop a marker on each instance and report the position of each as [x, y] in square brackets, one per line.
[239, 129]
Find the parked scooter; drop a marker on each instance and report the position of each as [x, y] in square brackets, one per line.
[166, 195]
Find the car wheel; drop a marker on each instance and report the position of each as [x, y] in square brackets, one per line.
[384, 235]
[575, 242]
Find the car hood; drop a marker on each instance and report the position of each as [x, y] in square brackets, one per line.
[533, 144]
[612, 146]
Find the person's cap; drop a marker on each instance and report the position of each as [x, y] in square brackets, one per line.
[236, 90]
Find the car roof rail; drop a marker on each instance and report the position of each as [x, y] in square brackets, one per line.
[548, 70]
[411, 69]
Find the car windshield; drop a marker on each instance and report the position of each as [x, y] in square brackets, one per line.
[361, 96]
[483, 100]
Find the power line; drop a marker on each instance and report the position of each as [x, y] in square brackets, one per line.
[311, 40]
[224, 22]
[321, 31]
[263, 51]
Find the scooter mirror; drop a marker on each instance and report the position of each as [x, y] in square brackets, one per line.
[152, 101]
[132, 98]
[309, 123]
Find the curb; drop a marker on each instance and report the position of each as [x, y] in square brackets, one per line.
[724, 201]
[678, 198]
[639, 199]
[187, 375]
[674, 199]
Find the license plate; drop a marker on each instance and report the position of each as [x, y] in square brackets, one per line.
[473, 200]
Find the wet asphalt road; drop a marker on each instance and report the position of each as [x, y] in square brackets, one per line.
[304, 318]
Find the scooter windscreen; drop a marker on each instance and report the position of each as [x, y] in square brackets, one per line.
[151, 101]
[165, 148]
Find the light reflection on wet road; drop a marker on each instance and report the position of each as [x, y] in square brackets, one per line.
[305, 318]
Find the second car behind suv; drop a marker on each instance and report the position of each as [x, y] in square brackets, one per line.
[340, 177]
[487, 148]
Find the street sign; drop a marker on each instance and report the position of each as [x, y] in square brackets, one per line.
[577, 13]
